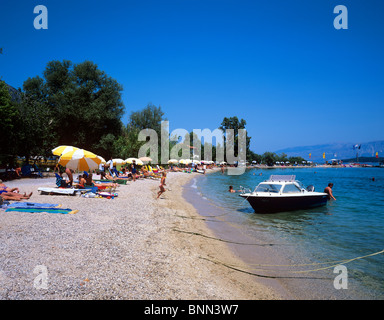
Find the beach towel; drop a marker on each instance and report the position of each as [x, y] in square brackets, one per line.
[70, 191]
[49, 210]
[32, 205]
[108, 194]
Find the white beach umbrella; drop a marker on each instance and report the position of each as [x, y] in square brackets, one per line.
[137, 161]
[173, 161]
[117, 161]
[80, 159]
[58, 151]
[185, 161]
[102, 159]
[145, 159]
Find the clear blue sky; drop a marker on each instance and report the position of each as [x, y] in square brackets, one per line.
[280, 65]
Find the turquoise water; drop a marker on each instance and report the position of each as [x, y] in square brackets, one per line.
[350, 227]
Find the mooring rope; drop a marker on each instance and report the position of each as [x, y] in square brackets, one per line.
[223, 240]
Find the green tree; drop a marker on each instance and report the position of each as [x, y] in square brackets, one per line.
[83, 104]
[150, 117]
[236, 124]
[9, 123]
[37, 136]
[269, 158]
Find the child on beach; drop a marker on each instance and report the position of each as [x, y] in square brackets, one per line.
[162, 184]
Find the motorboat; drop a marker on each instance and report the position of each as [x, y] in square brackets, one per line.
[283, 193]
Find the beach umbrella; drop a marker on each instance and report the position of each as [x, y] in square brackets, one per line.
[223, 162]
[80, 159]
[138, 161]
[102, 159]
[174, 161]
[197, 161]
[116, 161]
[58, 151]
[145, 159]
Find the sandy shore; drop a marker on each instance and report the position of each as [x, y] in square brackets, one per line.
[132, 247]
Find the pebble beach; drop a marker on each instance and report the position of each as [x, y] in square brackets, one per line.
[132, 247]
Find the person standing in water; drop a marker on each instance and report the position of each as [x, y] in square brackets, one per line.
[328, 191]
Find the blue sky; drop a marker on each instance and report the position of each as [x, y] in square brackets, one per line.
[280, 65]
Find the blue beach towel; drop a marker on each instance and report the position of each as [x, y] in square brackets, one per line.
[49, 210]
[32, 205]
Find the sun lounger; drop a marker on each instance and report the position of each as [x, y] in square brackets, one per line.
[118, 180]
[68, 191]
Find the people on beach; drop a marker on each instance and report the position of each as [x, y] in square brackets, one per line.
[69, 173]
[328, 191]
[81, 180]
[162, 184]
[133, 170]
[12, 193]
[60, 181]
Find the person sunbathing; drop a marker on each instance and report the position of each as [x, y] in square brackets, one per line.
[90, 183]
[10, 194]
[81, 182]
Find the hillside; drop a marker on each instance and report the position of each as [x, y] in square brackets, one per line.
[336, 151]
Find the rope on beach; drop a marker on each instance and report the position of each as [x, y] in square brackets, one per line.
[196, 218]
[256, 274]
[223, 240]
[335, 263]
[343, 262]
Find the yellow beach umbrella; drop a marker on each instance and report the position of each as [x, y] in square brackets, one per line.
[117, 161]
[80, 159]
[138, 161]
[185, 161]
[102, 159]
[58, 151]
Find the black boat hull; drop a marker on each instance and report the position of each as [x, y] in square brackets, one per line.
[269, 204]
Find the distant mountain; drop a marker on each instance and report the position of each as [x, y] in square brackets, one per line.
[339, 151]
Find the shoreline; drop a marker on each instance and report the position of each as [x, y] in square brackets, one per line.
[257, 259]
[131, 248]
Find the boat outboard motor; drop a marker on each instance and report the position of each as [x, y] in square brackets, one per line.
[310, 188]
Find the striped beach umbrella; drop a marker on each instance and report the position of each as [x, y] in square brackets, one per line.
[58, 151]
[137, 161]
[185, 161]
[80, 159]
[116, 161]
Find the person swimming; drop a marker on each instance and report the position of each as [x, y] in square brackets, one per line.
[232, 190]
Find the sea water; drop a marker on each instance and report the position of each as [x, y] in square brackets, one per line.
[344, 232]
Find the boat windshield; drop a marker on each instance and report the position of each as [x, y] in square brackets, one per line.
[291, 188]
[268, 187]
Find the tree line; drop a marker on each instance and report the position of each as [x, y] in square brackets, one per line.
[80, 105]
